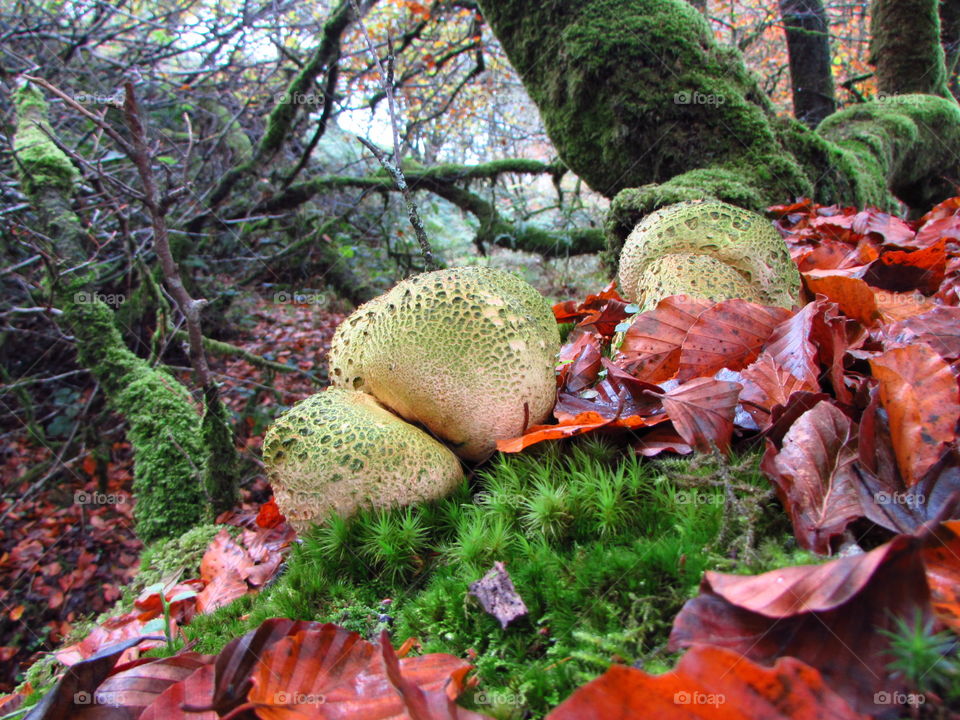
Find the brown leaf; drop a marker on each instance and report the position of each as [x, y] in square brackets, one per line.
[296, 673]
[815, 477]
[196, 690]
[127, 692]
[75, 689]
[791, 348]
[708, 683]
[728, 335]
[702, 411]
[767, 385]
[497, 595]
[919, 392]
[939, 328]
[827, 616]
[941, 558]
[921, 270]
[651, 345]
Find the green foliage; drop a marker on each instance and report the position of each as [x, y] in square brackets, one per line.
[603, 549]
[927, 660]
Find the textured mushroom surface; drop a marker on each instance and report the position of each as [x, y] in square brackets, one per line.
[340, 450]
[707, 249]
[469, 353]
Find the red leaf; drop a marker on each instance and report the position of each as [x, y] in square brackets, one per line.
[791, 349]
[767, 385]
[651, 346]
[827, 616]
[195, 691]
[702, 411]
[269, 515]
[814, 476]
[709, 683]
[919, 392]
[727, 335]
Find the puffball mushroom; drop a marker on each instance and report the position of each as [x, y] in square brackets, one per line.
[340, 450]
[468, 353]
[708, 249]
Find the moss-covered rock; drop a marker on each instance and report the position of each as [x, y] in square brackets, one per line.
[340, 450]
[711, 250]
[466, 352]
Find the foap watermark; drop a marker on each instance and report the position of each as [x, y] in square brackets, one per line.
[914, 700]
[290, 297]
[910, 499]
[297, 98]
[493, 697]
[684, 697]
[111, 299]
[295, 698]
[698, 98]
[895, 99]
[81, 497]
[698, 497]
[116, 698]
[486, 498]
[94, 99]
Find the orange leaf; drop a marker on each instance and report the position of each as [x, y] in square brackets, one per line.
[919, 392]
[709, 683]
[941, 558]
[853, 295]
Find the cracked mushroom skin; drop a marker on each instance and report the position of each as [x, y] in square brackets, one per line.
[708, 249]
[469, 353]
[340, 450]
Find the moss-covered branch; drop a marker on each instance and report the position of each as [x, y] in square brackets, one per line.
[448, 182]
[164, 425]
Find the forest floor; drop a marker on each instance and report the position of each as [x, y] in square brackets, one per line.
[67, 545]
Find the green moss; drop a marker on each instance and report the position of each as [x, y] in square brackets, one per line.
[164, 426]
[627, 89]
[41, 163]
[903, 139]
[603, 549]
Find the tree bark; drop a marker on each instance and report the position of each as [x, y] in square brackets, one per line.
[905, 47]
[808, 47]
[950, 40]
[644, 105]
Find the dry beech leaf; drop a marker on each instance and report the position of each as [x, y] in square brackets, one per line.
[827, 616]
[918, 390]
[709, 683]
[815, 477]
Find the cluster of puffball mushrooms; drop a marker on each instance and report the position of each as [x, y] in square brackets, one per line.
[441, 367]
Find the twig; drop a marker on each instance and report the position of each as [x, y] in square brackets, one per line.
[386, 78]
[190, 308]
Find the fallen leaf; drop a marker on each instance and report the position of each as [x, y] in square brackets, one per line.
[702, 411]
[815, 477]
[919, 392]
[709, 683]
[827, 616]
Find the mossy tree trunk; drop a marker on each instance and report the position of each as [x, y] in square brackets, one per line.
[645, 106]
[950, 41]
[905, 47]
[808, 47]
[164, 425]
